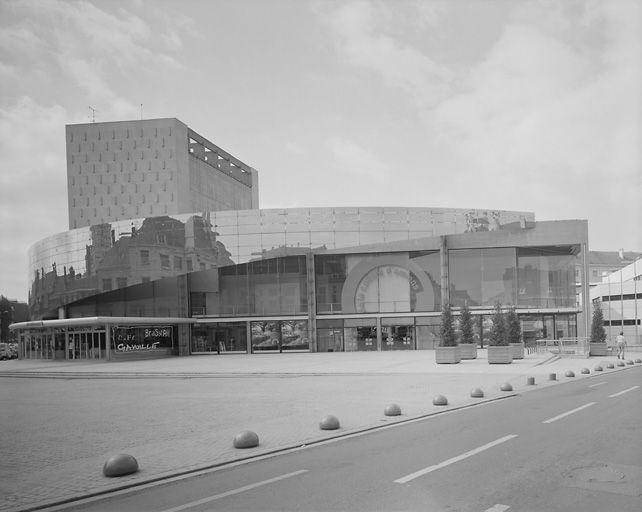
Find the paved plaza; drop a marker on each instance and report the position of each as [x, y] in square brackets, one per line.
[61, 421]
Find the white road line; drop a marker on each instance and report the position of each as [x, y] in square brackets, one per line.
[622, 392]
[234, 491]
[497, 508]
[445, 463]
[551, 420]
[598, 384]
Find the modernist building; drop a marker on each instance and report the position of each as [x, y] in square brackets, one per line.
[233, 279]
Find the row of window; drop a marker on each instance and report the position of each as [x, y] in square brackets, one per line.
[127, 132]
[143, 198]
[620, 297]
[144, 155]
[165, 262]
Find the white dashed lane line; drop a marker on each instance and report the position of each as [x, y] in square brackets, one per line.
[497, 508]
[572, 411]
[598, 384]
[239, 490]
[458, 458]
[622, 392]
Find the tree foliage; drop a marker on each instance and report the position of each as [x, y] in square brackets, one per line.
[447, 328]
[498, 336]
[466, 326]
[598, 333]
[513, 327]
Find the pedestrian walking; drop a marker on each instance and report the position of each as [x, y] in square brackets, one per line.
[620, 343]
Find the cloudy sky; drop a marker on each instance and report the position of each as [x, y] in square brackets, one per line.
[499, 104]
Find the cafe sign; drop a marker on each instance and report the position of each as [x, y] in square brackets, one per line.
[142, 339]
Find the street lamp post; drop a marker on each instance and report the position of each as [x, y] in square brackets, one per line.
[606, 274]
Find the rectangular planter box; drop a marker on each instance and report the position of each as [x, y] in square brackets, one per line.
[447, 355]
[468, 350]
[500, 355]
[517, 350]
[598, 349]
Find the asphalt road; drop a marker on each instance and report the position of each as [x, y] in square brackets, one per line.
[570, 447]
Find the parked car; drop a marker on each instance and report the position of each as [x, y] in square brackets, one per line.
[5, 351]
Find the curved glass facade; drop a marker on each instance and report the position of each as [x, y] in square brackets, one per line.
[104, 257]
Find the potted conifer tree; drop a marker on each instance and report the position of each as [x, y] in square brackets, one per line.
[597, 343]
[499, 351]
[467, 345]
[514, 333]
[448, 350]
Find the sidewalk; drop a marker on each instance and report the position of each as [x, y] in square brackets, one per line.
[61, 421]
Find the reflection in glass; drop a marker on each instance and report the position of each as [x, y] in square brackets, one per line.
[482, 277]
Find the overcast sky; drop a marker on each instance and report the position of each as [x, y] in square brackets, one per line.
[498, 104]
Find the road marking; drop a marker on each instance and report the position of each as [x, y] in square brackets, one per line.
[622, 392]
[445, 463]
[234, 491]
[551, 420]
[598, 384]
[497, 508]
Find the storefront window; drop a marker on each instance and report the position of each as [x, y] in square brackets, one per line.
[280, 336]
[266, 336]
[219, 338]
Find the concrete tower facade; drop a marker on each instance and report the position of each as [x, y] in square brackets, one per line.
[132, 169]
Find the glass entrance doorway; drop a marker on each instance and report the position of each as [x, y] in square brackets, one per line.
[85, 344]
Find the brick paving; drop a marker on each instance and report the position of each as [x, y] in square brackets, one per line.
[61, 421]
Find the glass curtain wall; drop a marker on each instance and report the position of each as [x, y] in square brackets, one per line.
[383, 283]
[275, 286]
[482, 277]
[546, 277]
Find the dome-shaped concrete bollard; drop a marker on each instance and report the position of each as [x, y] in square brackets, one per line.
[638, 360]
[585, 370]
[506, 387]
[477, 393]
[392, 410]
[610, 365]
[246, 439]
[440, 400]
[598, 368]
[329, 422]
[552, 376]
[120, 465]
[628, 361]
[530, 381]
[620, 363]
[569, 373]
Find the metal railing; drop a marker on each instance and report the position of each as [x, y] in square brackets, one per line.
[565, 347]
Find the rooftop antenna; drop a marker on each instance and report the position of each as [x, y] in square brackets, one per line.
[141, 111]
[93, 114]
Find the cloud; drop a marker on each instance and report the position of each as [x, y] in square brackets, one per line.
[352, 159]
[359, 29]
[32, 185]
[294, 148]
